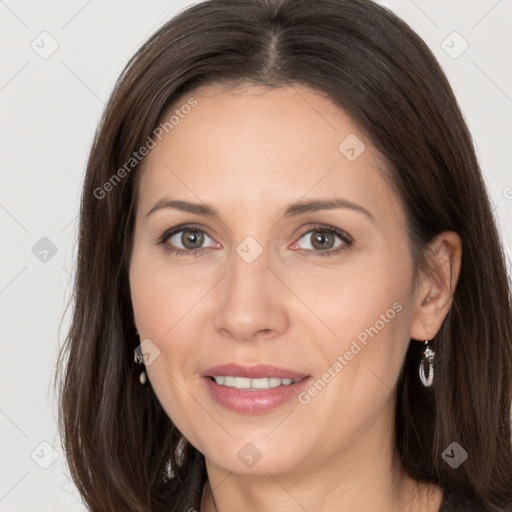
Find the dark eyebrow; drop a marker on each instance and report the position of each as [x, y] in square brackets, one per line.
[324, 204]
[299, 208]
[185, 206]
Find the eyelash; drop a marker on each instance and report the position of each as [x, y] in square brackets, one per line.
[345, 238]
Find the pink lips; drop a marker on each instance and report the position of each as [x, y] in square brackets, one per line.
[253, 402]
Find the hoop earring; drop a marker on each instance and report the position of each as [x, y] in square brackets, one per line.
[139, 359]
[427, 359]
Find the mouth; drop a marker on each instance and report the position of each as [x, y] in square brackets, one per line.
[253, 389]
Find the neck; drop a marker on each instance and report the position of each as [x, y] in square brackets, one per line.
[413, 497]
[363, 476]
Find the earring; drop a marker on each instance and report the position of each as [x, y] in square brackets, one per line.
[139, 359]
[427, 359]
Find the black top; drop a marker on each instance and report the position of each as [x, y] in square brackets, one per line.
[454, 502]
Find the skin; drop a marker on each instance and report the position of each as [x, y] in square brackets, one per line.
[251, 152]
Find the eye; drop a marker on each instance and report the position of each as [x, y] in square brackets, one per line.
[321, 240]
[185, 240]
[190, 239]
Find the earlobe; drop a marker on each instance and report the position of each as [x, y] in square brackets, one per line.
[434, 295]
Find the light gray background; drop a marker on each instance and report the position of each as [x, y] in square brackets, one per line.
[49, 111]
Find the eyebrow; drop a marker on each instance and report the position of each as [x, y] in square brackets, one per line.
[293, 210]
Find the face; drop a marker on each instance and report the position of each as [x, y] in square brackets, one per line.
[282, 269]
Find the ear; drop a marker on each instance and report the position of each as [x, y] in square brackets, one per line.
[434, 291]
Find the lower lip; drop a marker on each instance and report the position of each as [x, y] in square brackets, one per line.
[254, 402]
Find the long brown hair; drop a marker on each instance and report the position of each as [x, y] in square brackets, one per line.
[116, 435]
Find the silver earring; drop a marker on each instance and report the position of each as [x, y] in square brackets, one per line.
[139, 359]
[427, 360]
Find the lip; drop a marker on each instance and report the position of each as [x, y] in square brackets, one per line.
[253, 402]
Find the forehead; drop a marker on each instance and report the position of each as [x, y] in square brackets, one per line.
[260, 145]
[255, 115]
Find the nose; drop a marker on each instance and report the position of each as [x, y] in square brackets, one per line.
[251, 301]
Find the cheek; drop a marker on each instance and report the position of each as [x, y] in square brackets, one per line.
[167, 303]
[359, 301]
[163, 296]
[163, 304]
[358, 366]
[368, 311]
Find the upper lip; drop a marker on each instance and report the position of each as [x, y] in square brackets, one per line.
[256, 371]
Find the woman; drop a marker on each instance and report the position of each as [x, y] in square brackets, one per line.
[284, 221]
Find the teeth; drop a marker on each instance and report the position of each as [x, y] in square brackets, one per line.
[229, 381]
[242, 383]
[252, 384]
[274, 382]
